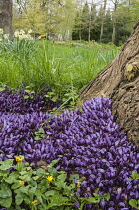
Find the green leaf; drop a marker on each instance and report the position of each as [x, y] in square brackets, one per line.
[10, 180]
[5, 193]
[57, 200]
[39, 198]
[37, 138]
[27, 199]
[23, 172]
[93, 200]
[35, 177]
[107, 196]
[54, 99]
[26, 97]
[16, 185]
[32, 190]
[134, 203]
[2, 89]
[6, 164]
[41, 130]
[18, 199]
[49, 193]
[135, 175]
[25, 178]
[74, 176]
[4, 173]
[24, 189]
[6, 202]
[53, 162]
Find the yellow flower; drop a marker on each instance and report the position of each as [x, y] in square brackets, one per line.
[35, 202]
[43, 36]
[21, 182]
[78, 184]
[19, 159]
[49, 178]
[83, 178]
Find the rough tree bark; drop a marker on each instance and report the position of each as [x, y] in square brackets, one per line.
[120, 82]
[6, 16]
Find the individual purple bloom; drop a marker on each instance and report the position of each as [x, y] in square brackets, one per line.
[76, 205]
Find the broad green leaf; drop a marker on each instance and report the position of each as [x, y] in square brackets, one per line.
[6, 202]
[5, 193]
[41, 130]
[135, 175]
[26, 97]
[37, 138]
[32, 190]
[3, 173]
[57, 200]
[25, 178]
[49, 193]
[133, 203]
[27, 199]
[53, 162]
[2, 89]
[4, 165]
[39, 198]
[24, 189]
[107, 196]
[18, 199]
[35, 177]
[10, 180]
[16, 185]
[93, 200]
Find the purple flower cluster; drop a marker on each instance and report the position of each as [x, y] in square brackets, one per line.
[86, 141]
[15, 102]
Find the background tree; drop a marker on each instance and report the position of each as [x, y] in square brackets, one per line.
[85, 25]
[46, 16]
[103, 19]
[6, 16]
[76, 31]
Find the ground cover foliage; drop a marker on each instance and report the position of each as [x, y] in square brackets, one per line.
[86, 141]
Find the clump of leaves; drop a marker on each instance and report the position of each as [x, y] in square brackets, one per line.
[22, 187]
[133, 202]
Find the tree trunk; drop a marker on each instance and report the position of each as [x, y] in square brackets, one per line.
[116, 2]
[102, 22]
[120, 82]
[6, 16]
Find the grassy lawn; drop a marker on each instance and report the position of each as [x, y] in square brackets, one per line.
[62, 67]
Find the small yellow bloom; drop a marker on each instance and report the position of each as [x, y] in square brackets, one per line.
[19, 159]
[43, 36]
[21, 182]
[49, 178]
[78, 184]
[83, 178]
[35, 202]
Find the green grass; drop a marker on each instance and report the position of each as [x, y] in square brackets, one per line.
[63, 67]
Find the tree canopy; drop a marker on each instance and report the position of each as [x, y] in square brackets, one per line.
[104, 21]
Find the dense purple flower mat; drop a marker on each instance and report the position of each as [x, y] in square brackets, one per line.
[86, 141]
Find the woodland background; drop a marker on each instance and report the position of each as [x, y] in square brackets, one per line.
[102, 21]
